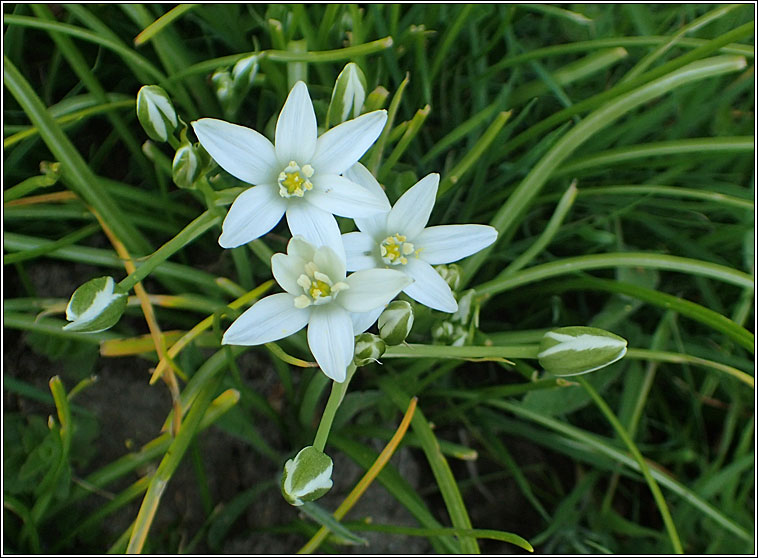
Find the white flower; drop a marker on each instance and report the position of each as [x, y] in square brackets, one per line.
[299, 175]
[398, 239]
[318, 294]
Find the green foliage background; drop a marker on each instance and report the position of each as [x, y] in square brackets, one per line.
[611, 145]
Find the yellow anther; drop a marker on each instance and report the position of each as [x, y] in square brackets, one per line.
[293, 180]
[393, 249]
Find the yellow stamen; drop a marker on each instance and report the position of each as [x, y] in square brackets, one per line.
[395, 248]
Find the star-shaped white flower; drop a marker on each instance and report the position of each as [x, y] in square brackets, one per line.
[319, 294]
[398, 239]
[298, 175]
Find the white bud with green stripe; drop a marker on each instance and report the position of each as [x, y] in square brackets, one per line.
[348, 95]
[307, 477]
[395, 322]
[190, 163]
[368, 348]
[155, 112]
[569, 351]
[95, 306]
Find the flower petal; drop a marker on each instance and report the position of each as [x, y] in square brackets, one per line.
[255, 212]
[429, 288]
[360, 250]
[330, 337]
[242, 152]
[315, 225]
[364, 320]
[371, 288]
[336, 194]
[298, 246]
[269, 319]
[296, 132]
[286, 270]
[375, 225]
[450, 243]
[411, 212]
[340, 148]
[330, 263]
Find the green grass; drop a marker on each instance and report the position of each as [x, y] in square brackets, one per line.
[611, 146]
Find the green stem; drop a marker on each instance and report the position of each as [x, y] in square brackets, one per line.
[621, 431]
[195, 229]
[314, 57]
[335, 399]
[472, 351]
[612, 260]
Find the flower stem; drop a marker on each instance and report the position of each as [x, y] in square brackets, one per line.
[335, 398]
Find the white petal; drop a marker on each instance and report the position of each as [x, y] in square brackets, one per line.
[371, 288]
[450, 243]
[315, 225]
[330, 263]
[242, 152]
[269, 319]
[296, 132]
[336, 194]
[298, 246]
[411, 212]
[364, 320]
[361, 175]
[286, 270]
[330, 337]
[255, 212]
[375, 225]
[341, 147]
[429, 288]
[360, 251]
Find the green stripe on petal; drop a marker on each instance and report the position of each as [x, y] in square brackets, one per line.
[307, 477]
[569, 351]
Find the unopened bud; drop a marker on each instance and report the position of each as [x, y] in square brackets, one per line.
[95, 306]
[451, 273]
[348, 95]
[395, 322]
[368, 348]
[568, 351]
[449, 333]
[307, 477]
[190, 162]
[155, 112]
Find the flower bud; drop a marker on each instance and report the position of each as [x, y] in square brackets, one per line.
[222, 82]
[466, 310]
[156, 112]
[307, 477]
[348, 95]
[368, 348]
[190, 162]
[244, 72]
[451, 273]
[449, 333]
[568, 351]
[395, 322]
[95, 306]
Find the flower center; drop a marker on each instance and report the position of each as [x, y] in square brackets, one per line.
[317, 287]
[293, 180]
[395, 248]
